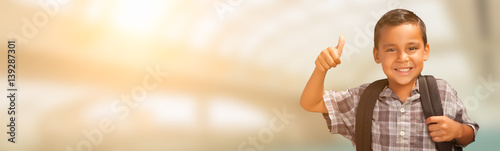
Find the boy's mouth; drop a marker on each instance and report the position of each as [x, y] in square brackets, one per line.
[404, 71]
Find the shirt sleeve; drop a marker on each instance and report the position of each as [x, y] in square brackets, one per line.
[455, 109]
[341, 106]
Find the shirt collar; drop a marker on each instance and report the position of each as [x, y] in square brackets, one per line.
[388, 93]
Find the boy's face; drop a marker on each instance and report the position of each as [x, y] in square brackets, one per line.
[401, 52]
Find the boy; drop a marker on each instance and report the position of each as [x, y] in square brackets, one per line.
[398, 121]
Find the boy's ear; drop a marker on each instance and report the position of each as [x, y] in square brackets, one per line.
[375, 55]
[426, 52]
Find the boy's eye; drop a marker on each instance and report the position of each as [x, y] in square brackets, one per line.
[391, 50]
[412, 48]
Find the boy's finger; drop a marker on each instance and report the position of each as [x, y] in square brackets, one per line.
[332, 54]
[330, 61]
[329, 58]
[429, 120]
[335, 56]
[340, 45]
[324, 64]
[437, 139]
[432, 127]
[433, 120]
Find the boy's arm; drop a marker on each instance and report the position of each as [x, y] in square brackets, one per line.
[446, 129]
[312, 96]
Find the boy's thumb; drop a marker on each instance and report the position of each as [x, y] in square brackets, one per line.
[340, 45]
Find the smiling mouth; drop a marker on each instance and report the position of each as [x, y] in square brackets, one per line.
[404, 69]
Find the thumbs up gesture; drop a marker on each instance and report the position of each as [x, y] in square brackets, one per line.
[330, 57]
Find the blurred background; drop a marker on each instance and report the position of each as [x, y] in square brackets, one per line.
[232, 70]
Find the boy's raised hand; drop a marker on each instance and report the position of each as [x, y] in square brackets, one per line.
[330, 57]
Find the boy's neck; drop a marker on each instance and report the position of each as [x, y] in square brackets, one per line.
[402, 91]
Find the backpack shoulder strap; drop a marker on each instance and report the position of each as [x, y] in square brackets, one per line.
[431, 104]
[429, 96]
[364, 114]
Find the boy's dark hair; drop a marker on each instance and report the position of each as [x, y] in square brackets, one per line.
[397, 17]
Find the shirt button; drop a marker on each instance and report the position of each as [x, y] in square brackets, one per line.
[402, 110]
[402, 133]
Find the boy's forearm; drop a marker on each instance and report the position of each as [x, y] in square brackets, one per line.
[467, 135]
[312, 96]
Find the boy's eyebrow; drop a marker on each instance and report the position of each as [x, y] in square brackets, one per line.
[409, 43]
[388, 45]
[413, 43]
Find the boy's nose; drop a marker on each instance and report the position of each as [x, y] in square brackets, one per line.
[403, 56]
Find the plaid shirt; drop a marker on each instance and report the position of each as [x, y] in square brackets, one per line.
[396, 125]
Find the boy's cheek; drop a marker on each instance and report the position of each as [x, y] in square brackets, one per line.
[387, 65]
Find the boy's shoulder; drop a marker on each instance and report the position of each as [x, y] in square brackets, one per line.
[443, 85]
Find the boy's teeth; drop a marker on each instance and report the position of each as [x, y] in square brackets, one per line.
[404, 70]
